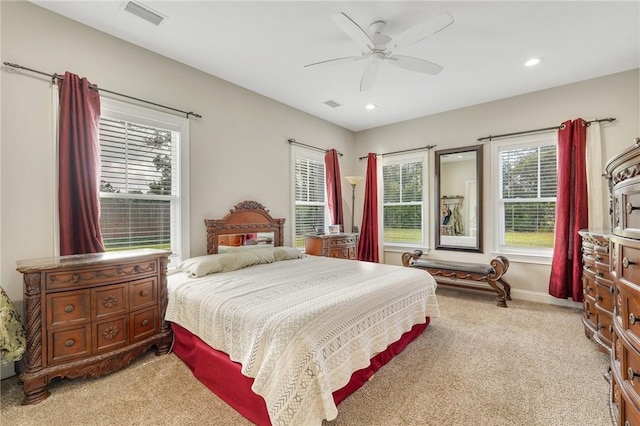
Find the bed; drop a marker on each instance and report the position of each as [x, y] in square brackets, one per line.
[284, 337]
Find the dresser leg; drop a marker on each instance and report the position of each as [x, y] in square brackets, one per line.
[35, 391]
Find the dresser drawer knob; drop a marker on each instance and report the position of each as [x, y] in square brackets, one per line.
[69, 343]
[632, 374]
[588, 314]
[68, 309]
[600, 326]
[598, 298]
[632, 318]
[631, 207]
[610, 329]
[144, 293]
[626, 262]
[611, 290]
[598, 259]
[599, 274]
[75, 278]
[137, 269]
[145, 323]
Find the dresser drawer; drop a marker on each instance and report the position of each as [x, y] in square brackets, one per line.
[70, 343]
[590, 313]
[144, 323]
[99, 275]
[630, 371]
[343, 252]
[143, 293]
[109, 335]
[629, 268]
[604, 295]
[628, 199]
[109, 300]
[629, 300]
[72, 307]
[589, 285]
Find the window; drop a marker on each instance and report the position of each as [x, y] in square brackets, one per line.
[142, 192]
[403, 207]
[527, 194]
[311, 208]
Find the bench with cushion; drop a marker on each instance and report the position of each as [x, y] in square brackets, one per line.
[446, 271]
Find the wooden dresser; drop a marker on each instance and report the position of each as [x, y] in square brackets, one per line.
[91, 314]
[344, 246]
[598, 289]
[623, 172]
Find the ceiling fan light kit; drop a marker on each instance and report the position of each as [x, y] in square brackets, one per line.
[377, 48]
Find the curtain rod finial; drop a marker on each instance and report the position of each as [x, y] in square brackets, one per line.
[291, 140]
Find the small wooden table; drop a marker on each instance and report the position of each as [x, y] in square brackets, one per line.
[343, 246]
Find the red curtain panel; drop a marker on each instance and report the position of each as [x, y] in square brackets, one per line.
[572, 213]
[368, 245]
[334, 186]
[79, 166]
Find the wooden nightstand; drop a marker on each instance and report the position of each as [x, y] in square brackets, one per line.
[343, 246]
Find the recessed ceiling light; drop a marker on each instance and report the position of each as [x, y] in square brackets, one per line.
[371, 106]
[533, 61]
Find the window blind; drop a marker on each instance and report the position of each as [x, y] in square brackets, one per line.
[137, 186]
[402, 202]
[528, 195]
[310, 202]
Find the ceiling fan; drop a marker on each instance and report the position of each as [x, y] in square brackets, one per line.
[378, 47]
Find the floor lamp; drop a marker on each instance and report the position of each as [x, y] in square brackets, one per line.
[353, 181]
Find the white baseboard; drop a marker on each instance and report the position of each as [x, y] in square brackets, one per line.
[531, 296]
[7, 369]
[536, 296]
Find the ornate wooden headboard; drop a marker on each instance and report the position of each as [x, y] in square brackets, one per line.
[245, 218]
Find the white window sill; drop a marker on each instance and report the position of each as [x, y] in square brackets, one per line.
[523, 257]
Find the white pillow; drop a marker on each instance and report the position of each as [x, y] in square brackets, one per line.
[286, 253]
[224, 262]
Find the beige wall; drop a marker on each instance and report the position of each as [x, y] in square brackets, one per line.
[610, 96]
[239, 149]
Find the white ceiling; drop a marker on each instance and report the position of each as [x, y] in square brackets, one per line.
[264, 45]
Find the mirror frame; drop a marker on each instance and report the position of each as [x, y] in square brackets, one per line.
[478, 149]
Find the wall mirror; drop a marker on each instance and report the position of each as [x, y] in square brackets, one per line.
[458, 188]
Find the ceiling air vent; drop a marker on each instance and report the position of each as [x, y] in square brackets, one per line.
[144, 12]
[332, 104]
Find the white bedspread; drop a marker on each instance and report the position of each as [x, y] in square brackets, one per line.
[301, 327]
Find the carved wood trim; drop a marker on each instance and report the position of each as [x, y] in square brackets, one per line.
[246, 217]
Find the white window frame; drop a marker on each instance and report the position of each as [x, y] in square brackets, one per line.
[522, 254]
[300, 152]
[180, 236]
[402, 159]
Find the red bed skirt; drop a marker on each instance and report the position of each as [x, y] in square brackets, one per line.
[223, 377]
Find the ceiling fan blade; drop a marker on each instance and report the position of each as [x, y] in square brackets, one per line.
[353, 30]
[415, 64]
[369, 76]
[337, 60]
[423, 30]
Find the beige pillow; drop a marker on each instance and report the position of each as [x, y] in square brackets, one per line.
[224, 262]
[286, 253]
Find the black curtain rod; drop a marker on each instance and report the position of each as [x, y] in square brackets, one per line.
[295, 142]
[58, 77]
[403, 151]
[524, 132]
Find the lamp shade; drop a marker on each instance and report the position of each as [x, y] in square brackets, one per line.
[353, 180]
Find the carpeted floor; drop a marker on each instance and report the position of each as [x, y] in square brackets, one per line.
[528, 364]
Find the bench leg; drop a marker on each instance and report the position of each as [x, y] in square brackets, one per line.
[507, 287]
[502, 293]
